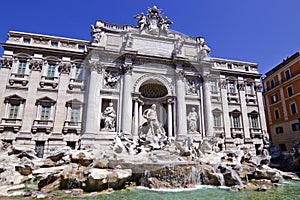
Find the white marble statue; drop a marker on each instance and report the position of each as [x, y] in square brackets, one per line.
[204, 49]
[154, 126]
[110, 80]
[97, 33]
[142, 20]
[109, 117]
[192, 119]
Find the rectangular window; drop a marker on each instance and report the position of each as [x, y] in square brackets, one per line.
[45, 114]
[79, 74]
[217, 120]
[272, 83]
[13, 111]
[22, 67]
[290, 91]
[236, 121]
[51, 70]
[213, 86]
[249, 88]
[296, 126]
[254, 121]
[231, 86]
[39, 148]
[282, 147]
[229, 66]
[277, 114]
[279, 130]
[287, 75]
[293, 108]
[75, 114]
[274, 98]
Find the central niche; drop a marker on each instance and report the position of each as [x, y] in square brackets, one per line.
[153, 89]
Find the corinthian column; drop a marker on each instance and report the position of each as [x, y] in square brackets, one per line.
[92, 124]
[180, 104]
[170, 118]
[126, 120]
[207, 108]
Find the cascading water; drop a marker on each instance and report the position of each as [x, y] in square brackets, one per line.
[220, 178]
[193, 177]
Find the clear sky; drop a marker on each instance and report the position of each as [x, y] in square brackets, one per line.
[260, 31]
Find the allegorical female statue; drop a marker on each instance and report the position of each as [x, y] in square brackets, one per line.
[109, 117]
[192, 119]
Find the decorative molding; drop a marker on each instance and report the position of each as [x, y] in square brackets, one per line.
[150, 76]
[36, 65]
[6, 62]
[64, 68]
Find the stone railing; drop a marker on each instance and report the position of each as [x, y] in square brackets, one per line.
[46, 125]
[76, 83]
[12, 123]
[49, 81]
[18, 78]
[256, 133]
[70, 126]
[237, 132]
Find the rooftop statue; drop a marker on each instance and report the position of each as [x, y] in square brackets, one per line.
[153, 22]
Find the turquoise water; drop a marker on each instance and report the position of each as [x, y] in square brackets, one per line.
[290, 191]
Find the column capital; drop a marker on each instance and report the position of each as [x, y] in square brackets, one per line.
[241, 86]
[64, 68]
[36, 65]
[170, 99]
[127, 68]
[258, 87]
[224, 84]
[6, 62]
[95, 65]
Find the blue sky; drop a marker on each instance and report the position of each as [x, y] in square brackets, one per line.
[260, 31]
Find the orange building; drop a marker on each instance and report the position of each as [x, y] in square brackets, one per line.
[282, 102]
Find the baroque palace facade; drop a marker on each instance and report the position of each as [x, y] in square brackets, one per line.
[58, 91]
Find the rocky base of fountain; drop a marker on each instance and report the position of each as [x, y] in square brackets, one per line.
[122, 165]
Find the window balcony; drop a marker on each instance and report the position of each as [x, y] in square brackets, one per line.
[16, 78]
[45, 125]
[256, 133]
[15, 124]
[76, 84]
[49, 81]
[251, 98]
[219, 132]
[72, 127]
[237, 132]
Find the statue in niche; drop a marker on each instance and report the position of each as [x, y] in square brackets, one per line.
[192, 119]
[153, 125]
[110, 81]
[204, 49]
[109, 118]
[97, 33]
